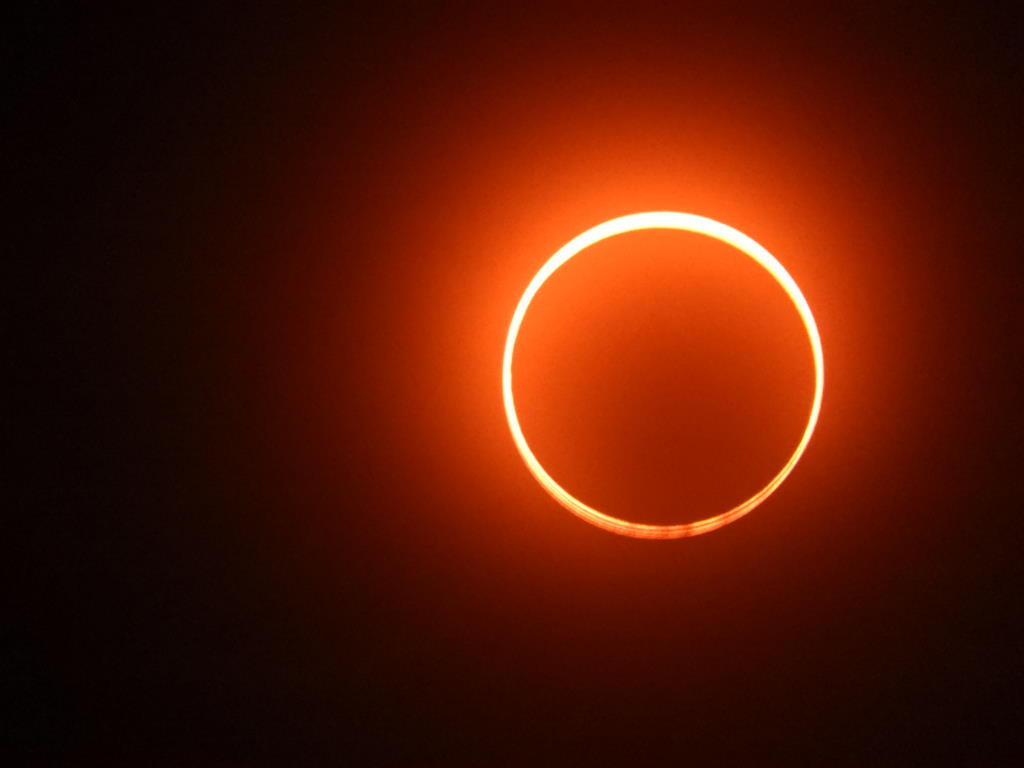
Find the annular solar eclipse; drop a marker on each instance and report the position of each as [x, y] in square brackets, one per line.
[659, 220]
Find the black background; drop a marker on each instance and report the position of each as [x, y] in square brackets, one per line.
[254, 519]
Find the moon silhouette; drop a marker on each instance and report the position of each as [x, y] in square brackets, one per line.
[660, 220]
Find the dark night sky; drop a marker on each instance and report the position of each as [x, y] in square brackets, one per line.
[266, 509]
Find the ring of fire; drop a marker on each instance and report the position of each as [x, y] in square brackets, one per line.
[659, 220]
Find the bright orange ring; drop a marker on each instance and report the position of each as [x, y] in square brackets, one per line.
[659, 220]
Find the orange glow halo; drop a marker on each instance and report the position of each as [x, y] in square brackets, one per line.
[659, 220]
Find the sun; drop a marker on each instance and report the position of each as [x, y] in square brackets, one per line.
[687, 222]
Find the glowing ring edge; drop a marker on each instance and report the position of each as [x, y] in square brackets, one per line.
[687, 222]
